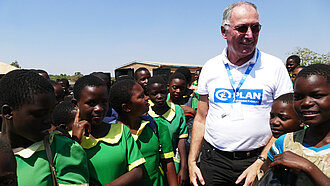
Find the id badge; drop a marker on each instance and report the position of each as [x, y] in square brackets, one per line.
[236, 111]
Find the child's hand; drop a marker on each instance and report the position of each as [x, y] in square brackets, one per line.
[182, 177]
[79, 128]
[290, 160]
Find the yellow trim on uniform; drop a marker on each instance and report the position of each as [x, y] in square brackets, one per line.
[136, 163]
[169, 115]
[161, 170]
[142, 126]
[35, 147]
[183, 136]
[177, 160]
[113, 137]
[167, 155]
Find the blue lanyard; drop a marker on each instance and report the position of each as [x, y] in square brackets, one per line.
[247, 72]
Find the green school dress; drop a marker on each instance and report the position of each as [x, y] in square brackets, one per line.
[111, 156]
[175, 120]
[148, 144]
[69, 160]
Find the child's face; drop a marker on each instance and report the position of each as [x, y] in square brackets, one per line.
[59, 93]
[143, 77]
[158, 93]
[139, 102]
[295, 73]
[312, 99]
[32, 120]
[197, 75]
[93, 104]
[177, 88]
[283, 119]
[290, 65]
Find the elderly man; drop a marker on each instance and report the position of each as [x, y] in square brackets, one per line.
[236, 91]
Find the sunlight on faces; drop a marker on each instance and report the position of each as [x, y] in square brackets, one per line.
[291, 65]
[139, 102]
[143, 77]
[283, 118]
[241, 45]
[158, 93]
[93, 104]
[312, 99]
[177, 88]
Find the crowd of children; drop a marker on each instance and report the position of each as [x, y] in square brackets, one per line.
[137, 131]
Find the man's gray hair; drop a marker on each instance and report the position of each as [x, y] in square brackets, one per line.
[227, 12]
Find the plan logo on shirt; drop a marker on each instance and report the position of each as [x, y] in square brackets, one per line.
[245, 96]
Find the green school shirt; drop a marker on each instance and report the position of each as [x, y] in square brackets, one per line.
[148, 144]
[175, 120]
[111, 156]
[69, 160]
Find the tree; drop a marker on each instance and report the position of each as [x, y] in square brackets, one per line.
[15, 64]
[309, 57]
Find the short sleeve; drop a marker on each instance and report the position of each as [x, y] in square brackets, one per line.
[183, 133]
[284, 83]
[70, 161]
[134, 156]
[277, 147]
[202, 81]
[165, 141]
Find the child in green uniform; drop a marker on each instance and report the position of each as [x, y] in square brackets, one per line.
[172, 116]
[113, 155]
[127, 98]
[27, 100]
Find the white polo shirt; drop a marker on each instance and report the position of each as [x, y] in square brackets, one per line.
[267, 80]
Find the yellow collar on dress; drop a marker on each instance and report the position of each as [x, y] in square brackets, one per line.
[35, 147]
[142, 126]
[113, 137]
[169, 115]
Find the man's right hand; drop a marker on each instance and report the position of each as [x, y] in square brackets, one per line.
[194, 174]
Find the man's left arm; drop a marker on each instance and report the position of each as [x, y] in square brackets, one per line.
[251, 172]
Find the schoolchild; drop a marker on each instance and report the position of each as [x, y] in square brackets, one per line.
[8, 175]
[177, 89]
[27, 100]
[128, 99]
[295, 72]
[283, 118]
[114, 157]
[58, 90]
[308, 150]
[172, 116]
[63, 117]
[142, 76]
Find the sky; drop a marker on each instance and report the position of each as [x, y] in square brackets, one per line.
[68, 36]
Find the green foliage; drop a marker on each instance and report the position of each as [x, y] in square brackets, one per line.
[309, 57]
[15, 64]
[54, 77]
[73, 78]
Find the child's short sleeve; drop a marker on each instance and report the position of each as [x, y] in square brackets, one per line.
[165, 141]
[182, 126]
[70, 161]
[277, 148]
[134, 156]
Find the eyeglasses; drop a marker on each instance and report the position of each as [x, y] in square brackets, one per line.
[255, 28]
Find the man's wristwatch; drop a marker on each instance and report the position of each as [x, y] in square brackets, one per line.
[261, 158]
